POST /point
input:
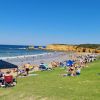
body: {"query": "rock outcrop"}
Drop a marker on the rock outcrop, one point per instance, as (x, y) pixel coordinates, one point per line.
(62, 47)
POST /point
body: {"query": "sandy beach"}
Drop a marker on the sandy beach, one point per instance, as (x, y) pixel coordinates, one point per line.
(37, 59)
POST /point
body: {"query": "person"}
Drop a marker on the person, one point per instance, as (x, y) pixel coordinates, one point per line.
(1, 78)
(78, 71)
(72, 71)
(1, 74)
(8, 79)
(61, 64)
(54, 64)
(27, 68)
(22, 72)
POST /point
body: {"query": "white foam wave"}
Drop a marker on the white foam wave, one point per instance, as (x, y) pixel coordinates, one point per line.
(18, 48)
(24, 56)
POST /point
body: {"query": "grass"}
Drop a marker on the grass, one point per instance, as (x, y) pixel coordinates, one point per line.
(50, 85)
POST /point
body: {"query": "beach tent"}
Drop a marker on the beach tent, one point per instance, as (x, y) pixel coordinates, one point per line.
(42, 66)
(69, 63)
(7, 65)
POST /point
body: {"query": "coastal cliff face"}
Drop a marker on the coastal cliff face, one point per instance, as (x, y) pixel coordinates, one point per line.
(61, 47)
(58, 47)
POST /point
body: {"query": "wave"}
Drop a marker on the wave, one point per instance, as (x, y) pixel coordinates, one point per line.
(18, 48)
(24, 56)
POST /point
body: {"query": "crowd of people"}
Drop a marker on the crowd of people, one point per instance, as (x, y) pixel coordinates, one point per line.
(73, 68)
(75, 65)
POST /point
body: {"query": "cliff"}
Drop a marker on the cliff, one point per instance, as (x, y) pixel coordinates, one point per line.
(63, 47)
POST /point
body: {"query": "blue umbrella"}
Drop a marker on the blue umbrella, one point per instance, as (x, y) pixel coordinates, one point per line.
(69, 63)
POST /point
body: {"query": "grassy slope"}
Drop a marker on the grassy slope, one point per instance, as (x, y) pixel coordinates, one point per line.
(51, 86)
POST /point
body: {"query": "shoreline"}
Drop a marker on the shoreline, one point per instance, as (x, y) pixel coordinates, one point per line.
(22, 56)
(41, 58)
(37, 58)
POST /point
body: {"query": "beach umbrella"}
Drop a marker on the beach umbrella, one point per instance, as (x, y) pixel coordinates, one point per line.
(69, 63)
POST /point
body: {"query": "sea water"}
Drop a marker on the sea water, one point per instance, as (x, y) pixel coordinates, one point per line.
(17, 50)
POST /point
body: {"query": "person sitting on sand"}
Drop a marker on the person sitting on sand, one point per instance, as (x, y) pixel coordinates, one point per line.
(54, 64)
(50, 66)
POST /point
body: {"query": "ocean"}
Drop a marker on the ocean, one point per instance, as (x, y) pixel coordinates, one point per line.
(19, 55)
(18, 50)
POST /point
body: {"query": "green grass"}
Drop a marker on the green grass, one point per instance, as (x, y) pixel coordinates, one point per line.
(50, 85)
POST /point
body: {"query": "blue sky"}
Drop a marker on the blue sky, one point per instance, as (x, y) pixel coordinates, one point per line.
(42, 22)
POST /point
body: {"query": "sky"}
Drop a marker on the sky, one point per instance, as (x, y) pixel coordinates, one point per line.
(42, 22)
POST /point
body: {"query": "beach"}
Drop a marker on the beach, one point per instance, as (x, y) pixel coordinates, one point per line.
(39, 58)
